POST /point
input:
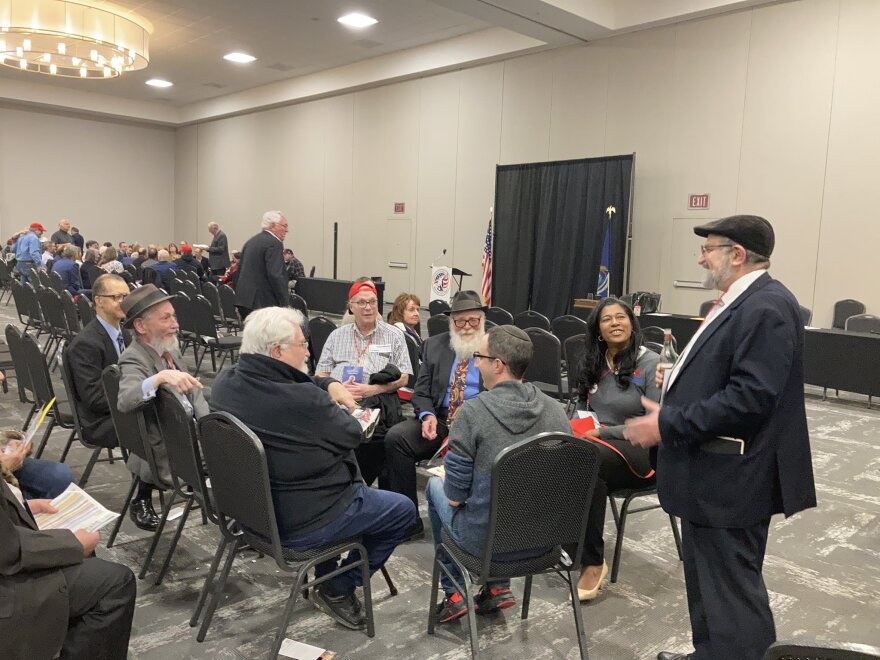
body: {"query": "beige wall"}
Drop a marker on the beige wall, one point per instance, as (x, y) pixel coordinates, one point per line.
(114, 181)
(770, 111)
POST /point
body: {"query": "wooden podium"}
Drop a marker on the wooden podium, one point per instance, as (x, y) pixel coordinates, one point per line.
(583, 307)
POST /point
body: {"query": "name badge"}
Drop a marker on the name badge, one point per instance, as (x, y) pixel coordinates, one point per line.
(384, 349)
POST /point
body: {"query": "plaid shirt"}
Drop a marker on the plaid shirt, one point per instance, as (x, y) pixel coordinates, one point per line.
(346, 346)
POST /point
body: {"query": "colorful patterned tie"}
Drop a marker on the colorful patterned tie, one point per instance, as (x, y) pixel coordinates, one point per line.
(456, 392)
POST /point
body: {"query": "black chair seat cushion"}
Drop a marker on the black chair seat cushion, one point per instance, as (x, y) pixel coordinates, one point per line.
(227, 342)
(259, 544)
(503, 569)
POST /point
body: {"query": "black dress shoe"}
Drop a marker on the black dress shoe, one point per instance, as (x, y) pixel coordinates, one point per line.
(669, 655)
(346, 609)
(143, 515)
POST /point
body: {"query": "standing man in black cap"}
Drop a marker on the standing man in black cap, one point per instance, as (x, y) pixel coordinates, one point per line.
(732, 441)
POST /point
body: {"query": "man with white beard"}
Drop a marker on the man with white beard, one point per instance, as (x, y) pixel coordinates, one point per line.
(309, 439)
(447, 378)
(149, 362)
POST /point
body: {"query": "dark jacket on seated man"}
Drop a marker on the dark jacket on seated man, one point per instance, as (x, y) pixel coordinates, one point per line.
(309, 440)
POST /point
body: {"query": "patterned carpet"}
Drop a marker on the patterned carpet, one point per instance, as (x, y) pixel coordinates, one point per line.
(822, 570)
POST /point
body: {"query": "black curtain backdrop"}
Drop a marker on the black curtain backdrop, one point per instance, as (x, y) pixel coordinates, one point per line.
(550, 223)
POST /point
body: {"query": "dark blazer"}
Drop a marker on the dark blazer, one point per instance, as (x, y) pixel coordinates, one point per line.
(433, 381)
(218, 252)
(744, 378)
(89, 272)
(90, 352)
(34, 608)
(69, 272)
(262, 280)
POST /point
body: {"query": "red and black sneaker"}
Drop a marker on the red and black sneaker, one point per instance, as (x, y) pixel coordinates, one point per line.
(494, 599)
(453, 607)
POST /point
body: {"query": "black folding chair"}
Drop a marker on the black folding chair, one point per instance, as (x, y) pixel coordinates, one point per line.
(44, 393)
(545, 367)
(236, 461)
(574, 350)
(567, 326)
(22, 307)
(499, 316)
(190, 289)
(230, 313)
(320, 328)
(298, 302)
(436, 307)
(531, 319)
(53, 314)
(202, 317)
(186, 332)
(56, 283)
(6, 281)
(843, 309)
(414, 358)
(71, 314)
(529, 519)
(22, 373)
(212, 295)
(438, 324)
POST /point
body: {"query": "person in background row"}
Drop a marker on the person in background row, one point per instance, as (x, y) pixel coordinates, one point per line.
(188, 262)
(109, 262)
(67, 269)
(164, 270)
(48, 255)
(293, 266)
(218, 250)
(202, 260)
(616, 373)
(405, 315)
(262, 280)
(77, 239)
(173, 252)
(231, 275)
(27, 250)
(89, 271)
(63, 234)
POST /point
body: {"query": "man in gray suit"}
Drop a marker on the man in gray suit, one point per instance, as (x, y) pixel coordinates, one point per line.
(151, 361)
(218, 250)
(262, 280)
(55, 596)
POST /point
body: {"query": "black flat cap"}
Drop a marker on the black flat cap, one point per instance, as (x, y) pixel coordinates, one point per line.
(751, 231)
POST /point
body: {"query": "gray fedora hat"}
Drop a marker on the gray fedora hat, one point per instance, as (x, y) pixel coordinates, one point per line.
(465, 301)
(140, 300)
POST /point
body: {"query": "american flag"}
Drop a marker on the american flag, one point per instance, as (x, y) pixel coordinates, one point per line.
(486, 287)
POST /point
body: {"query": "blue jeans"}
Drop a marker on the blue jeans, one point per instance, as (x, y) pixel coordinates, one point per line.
(380, 518)
(440, 511)
(24, 269)
(41, 479)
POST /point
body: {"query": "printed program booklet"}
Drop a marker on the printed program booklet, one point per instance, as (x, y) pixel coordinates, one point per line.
(368, 418)
(76, 510)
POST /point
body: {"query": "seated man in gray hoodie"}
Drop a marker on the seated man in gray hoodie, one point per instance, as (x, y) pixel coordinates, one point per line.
(509, 411)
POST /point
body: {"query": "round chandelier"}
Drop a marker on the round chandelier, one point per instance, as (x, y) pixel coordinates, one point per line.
(73, 38)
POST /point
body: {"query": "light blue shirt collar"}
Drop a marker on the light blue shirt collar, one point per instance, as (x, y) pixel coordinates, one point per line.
(113, 332)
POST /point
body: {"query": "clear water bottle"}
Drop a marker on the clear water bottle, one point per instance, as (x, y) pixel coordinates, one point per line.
(668, 355)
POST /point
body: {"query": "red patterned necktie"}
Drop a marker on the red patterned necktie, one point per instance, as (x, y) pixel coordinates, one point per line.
(456, 392)
(169, 361)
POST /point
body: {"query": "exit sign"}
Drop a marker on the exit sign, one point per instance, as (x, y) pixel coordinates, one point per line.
(399, 207)
(698, 201)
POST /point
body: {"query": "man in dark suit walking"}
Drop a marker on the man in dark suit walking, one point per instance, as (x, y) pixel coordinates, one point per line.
(447, 378)
(262, 280)
(218, 250)
(732, 440)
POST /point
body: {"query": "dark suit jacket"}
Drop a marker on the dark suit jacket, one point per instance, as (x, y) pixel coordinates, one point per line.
(34, 606)
(433, 381)
(218, 252)
(743, 378)
(90, 352)
(262, 280)
(89, 272)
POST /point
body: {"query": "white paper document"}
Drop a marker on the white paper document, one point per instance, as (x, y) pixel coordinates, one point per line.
(76, 510)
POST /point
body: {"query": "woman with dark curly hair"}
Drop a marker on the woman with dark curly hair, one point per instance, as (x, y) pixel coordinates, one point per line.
(616, 373)
(405, 315)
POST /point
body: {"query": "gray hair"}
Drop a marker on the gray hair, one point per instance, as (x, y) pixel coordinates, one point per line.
(163, 255)
(513, 346)
(268, 327)
(755, 258)
(271, 218)
(70, 251)
(91, 255)
(213, 225)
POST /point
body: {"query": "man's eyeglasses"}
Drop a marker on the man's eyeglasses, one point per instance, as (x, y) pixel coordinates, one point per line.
(488, 357)
(115, 297)
(301, 344)
(365, 303)
(704, 249)
(474, 322)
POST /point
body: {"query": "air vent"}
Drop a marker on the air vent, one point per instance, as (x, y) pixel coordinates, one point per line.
(278, 66)
(367, 43)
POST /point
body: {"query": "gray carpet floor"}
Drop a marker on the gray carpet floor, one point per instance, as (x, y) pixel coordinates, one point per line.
(822, 570)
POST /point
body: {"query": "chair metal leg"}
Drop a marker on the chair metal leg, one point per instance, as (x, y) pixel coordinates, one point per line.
(285, 618)
(156, 536)
(173, 546)
(45, 438)
(68, 446)
(84, 479)
(527, 597)
(218, 590)
(432, 604)
(30, 415)
(209, 578)
(368, 590)
(614, 511)
(110, 458)
(618, 546)
(391, 588)
(134, 484)
(213, 360)
(677, 536)
(471, 616)
(578, 621)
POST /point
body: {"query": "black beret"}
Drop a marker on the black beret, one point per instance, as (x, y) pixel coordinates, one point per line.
(751, 231)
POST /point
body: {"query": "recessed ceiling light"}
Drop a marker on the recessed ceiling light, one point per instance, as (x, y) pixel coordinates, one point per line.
(158, 82)
(357, 20)
(240, 58)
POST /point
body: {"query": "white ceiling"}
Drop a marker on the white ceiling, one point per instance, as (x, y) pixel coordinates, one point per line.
(303, 52)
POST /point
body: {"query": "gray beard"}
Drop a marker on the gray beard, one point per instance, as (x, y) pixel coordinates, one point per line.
(164, 345)
(464, 349)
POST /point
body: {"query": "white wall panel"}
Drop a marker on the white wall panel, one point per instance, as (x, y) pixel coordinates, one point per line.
(525, 114)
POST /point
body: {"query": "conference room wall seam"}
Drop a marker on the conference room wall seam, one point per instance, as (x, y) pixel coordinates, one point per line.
(745, 101)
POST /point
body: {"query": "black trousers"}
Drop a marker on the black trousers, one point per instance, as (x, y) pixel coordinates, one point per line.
(614, 474)
(728, 604)
(102, 596)
(404, 447)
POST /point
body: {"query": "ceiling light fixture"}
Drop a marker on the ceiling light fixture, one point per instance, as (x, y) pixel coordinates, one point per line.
(357, 20)
(73, 38)
(158, 82)
(239, 58)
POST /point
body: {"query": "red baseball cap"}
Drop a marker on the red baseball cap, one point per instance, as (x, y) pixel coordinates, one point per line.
(185, 248)
(37, 225)
(357, 287)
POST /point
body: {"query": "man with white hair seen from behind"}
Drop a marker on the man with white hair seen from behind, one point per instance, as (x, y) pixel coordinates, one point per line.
(309, 438)
(262, 280)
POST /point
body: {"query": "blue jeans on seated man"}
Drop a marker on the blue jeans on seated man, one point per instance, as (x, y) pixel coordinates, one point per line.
(41, 479)
(441, 512)
(379, 517)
